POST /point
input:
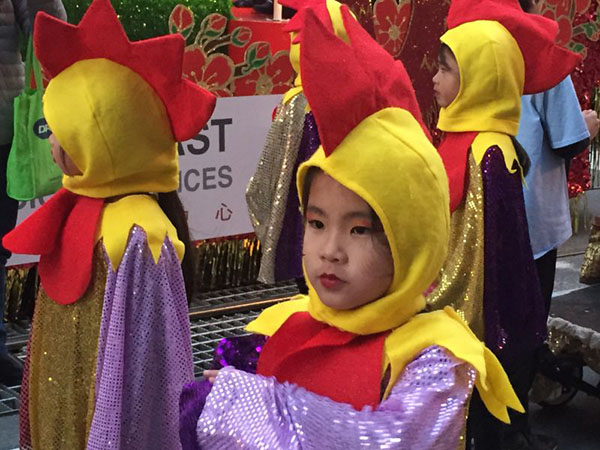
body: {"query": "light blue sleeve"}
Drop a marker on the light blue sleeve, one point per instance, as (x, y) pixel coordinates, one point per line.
(561, 115)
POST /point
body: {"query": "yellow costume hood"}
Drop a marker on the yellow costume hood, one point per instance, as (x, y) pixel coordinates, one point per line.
(118, 109)
(492, 73)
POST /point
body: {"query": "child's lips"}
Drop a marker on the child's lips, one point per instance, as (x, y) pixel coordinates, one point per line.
(330, 281)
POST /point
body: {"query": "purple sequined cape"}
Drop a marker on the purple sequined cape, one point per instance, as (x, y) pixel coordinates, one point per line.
(144, 351)
(425, 410)
(513, 306)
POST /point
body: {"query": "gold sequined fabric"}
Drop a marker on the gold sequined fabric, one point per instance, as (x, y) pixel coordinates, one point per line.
(62, 362)
(590, 269)
(268, 188)
(460, 283)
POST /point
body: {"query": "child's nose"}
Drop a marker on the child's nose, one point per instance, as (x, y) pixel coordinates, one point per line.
(333, 249)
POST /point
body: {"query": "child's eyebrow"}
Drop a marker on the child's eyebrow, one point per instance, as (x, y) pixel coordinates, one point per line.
(315, 209)
(358, 215)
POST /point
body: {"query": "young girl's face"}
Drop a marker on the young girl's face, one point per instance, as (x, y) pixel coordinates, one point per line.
(446, 82)
(346, 256)
(61, 159)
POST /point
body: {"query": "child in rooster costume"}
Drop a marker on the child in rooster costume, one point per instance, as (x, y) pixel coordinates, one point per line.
(492, 53)
(110, 347)
(357, 361)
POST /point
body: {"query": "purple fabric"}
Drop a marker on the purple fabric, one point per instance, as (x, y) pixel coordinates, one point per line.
(241, 352)
(191, 405)
(425, 410)
(144, 351)
(513, 305)
(288, 259)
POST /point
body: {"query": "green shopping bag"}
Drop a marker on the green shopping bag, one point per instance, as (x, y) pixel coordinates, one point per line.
(30, 171)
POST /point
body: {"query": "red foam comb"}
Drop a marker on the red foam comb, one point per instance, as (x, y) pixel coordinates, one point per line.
(317, 7)
(158, 61)
(345, 84)
(546, 64)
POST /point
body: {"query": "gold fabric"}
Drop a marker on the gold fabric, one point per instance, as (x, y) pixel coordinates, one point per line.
(268, 188)
(460, 283)
(62, 360)
(590, 269)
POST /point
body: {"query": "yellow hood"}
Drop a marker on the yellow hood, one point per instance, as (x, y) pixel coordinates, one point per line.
(412, 202)
(492, 75)
(114, 127)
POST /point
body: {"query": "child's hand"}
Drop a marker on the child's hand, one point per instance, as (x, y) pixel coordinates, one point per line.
(592, 122)
(210, 375)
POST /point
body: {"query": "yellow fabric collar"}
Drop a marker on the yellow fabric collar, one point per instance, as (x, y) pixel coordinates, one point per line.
(443, 328)
(483, 141)
(119, 217)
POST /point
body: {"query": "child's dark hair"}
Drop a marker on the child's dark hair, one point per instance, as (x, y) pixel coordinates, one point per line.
(443, 53)
(308, 180)
(171, 205)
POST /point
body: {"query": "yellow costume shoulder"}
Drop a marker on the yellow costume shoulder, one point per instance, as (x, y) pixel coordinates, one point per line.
(487, 139)
(442, 328)
(142, 210)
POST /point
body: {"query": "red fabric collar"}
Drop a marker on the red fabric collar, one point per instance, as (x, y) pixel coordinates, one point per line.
(63, 233)
(325, 360)
(453, 151)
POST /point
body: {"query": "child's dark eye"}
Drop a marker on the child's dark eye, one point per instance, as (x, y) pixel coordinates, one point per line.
(316, 224)
(360, 230)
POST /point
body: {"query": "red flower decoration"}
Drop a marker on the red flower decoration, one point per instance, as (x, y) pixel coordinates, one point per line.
(561, 7)
(568, 8)
(275, 77)
(181, 21)
(213, 73)
(241, 36)
(392, 21)
(214, 25)
(565, 31)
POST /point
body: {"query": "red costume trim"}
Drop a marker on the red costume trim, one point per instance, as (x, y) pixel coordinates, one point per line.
(344, 360)
(454, 150)
(63, 233)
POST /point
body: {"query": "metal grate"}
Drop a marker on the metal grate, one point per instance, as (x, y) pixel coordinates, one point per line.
(206, 334)
(9, 400)
(213, 316)
(241, 298)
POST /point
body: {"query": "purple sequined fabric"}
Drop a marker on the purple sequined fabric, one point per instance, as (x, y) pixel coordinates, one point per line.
(425, 410)
(241, 352)
(513, 306)
(144, 351)
(288, 259)
(191, 404)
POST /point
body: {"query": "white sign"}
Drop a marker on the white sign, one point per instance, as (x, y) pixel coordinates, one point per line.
(215, 168)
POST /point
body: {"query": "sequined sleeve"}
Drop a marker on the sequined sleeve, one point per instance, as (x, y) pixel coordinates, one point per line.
(241, 352)
(425, 410)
